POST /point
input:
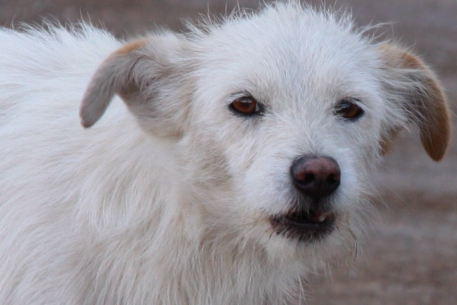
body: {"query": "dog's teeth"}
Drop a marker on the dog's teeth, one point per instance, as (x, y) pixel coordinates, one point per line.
(321, 218)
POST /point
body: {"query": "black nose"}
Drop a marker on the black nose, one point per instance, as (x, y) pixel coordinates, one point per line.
(316, 177)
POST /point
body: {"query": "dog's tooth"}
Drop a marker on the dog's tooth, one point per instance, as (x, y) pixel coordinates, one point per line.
(322, 218)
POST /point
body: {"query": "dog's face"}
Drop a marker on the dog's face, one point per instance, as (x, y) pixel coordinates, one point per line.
(294, 121)
(278, 120)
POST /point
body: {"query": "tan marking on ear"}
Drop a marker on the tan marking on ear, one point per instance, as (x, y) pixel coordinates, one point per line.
(436, 128)
(132, 46)
(410, 61)
(427, 104)
(108, 80)
(399, 58)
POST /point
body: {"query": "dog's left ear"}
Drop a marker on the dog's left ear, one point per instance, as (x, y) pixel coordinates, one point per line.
(148, 75)
(410, 82)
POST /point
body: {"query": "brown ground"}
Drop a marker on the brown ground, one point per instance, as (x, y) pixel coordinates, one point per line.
(411, 255)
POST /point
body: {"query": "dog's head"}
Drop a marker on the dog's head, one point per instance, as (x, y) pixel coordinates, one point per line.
(277, 120)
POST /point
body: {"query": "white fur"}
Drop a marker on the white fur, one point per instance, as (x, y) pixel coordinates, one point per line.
(167, 201)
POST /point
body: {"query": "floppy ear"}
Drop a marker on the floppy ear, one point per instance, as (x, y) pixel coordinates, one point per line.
(144, 74)
(411, 83)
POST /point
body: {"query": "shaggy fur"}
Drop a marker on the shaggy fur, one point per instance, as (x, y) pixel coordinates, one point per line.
(167, 198)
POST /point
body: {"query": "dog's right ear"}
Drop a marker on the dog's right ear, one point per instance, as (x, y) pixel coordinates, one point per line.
(139, 72)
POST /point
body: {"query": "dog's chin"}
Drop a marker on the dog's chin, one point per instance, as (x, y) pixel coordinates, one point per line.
(305, 226)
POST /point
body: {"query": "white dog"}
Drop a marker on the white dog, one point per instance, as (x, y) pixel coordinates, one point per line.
(240, 163)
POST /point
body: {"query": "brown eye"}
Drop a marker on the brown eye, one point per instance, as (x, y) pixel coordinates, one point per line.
(245, 106)
(349, 110)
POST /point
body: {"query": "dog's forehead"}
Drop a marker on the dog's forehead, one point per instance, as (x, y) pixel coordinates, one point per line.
(290, 51)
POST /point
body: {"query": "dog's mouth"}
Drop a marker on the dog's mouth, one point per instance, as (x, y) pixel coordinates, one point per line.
(304, 225)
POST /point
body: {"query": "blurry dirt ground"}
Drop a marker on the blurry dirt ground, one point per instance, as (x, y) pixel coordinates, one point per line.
(411, 254)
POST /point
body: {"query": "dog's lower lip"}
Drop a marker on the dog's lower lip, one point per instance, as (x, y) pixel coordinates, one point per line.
(304, 225)
(312, 217)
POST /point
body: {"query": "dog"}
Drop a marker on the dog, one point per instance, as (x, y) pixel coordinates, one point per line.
(218, 166)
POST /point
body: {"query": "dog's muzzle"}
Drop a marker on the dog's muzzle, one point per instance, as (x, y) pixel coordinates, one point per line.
(315, 178)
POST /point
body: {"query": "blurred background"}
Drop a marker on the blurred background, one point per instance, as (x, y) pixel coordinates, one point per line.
(410, 256)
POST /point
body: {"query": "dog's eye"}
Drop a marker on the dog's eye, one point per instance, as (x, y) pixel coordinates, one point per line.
(348, 109)
(246, 105)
